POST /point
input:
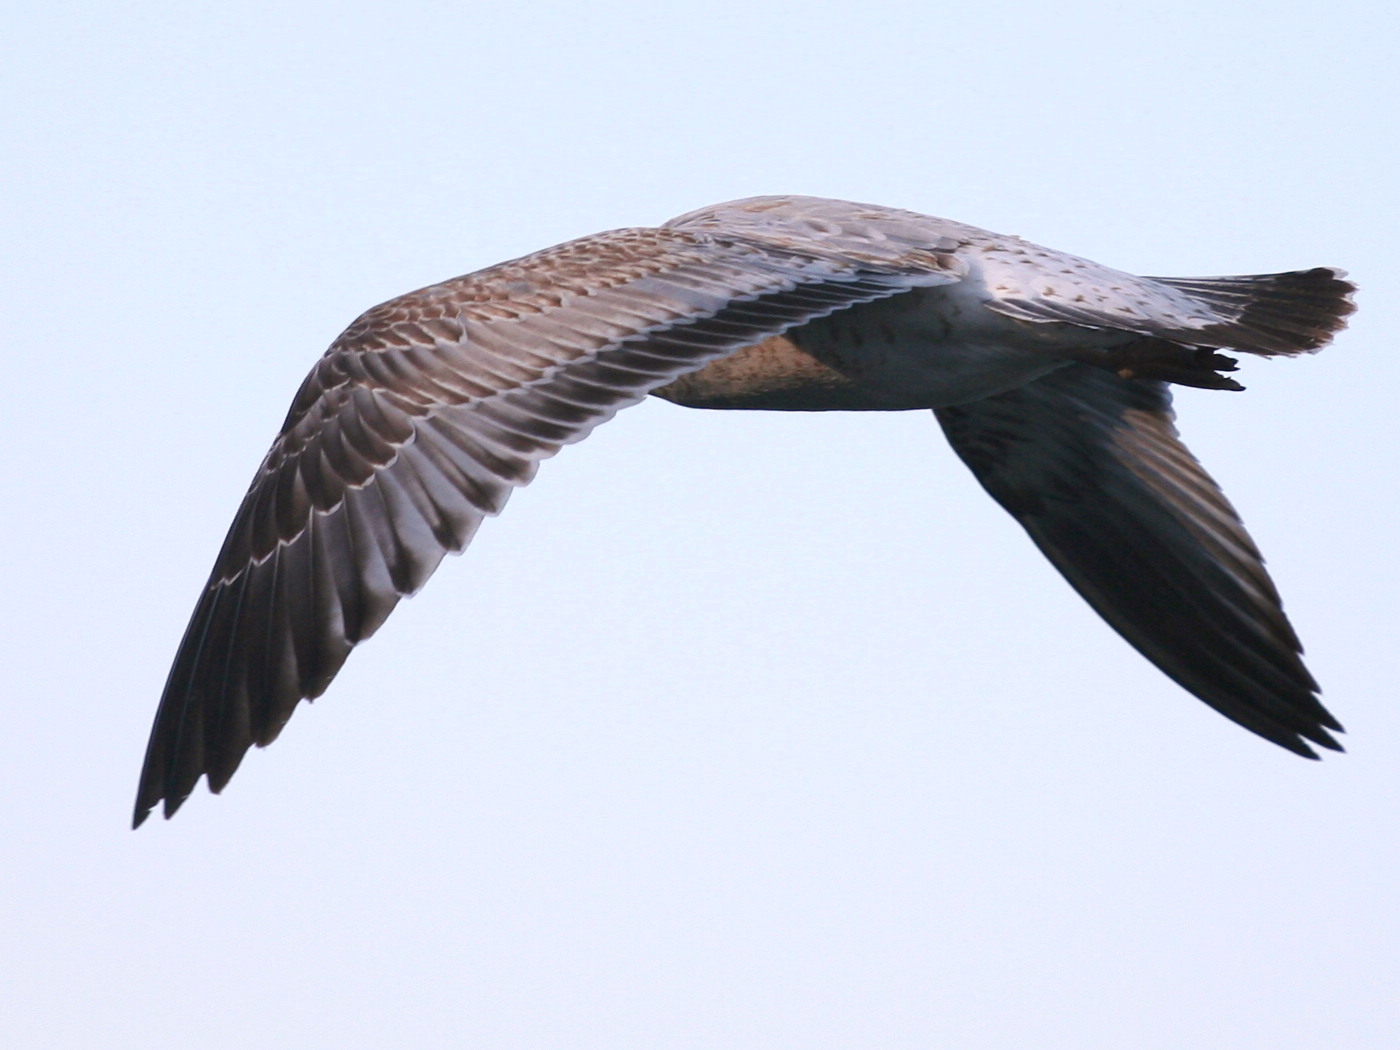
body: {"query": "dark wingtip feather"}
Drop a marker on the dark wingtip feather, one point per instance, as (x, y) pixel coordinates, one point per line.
(1314, 734)
(1092, 468)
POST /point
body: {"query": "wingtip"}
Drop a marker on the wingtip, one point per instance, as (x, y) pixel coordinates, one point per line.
(1330, 743)
(146, 804)
(143, 811)
(1317, 735)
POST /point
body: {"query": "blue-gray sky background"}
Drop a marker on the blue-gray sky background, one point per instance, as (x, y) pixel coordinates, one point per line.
(736, 730)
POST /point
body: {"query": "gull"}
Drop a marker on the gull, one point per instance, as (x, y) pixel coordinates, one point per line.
(1049, 375)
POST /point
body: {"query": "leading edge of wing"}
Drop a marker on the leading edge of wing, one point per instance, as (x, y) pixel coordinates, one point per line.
(418, 422)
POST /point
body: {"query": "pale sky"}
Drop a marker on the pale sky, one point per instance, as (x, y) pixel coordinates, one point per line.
(735, 731)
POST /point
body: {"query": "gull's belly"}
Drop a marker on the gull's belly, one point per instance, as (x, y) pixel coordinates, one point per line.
(927, 349)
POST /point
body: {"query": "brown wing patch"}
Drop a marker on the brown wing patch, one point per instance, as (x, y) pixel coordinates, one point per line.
(416, 425)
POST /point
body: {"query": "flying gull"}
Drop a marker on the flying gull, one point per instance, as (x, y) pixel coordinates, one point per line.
(1049, 374)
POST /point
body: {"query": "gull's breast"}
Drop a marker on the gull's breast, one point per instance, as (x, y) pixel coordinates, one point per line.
(929, 348)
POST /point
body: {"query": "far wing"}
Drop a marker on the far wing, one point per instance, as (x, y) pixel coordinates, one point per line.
(1090, 464)
(419, 421)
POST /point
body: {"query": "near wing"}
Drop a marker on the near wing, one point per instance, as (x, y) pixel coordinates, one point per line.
(1090, 464)
(419, 421)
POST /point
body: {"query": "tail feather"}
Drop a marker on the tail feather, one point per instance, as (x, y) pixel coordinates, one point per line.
(1279, 313)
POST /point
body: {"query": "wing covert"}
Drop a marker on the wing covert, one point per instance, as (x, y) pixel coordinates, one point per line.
(419, 421)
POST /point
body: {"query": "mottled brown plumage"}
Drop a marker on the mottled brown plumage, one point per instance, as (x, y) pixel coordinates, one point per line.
(1047, 373)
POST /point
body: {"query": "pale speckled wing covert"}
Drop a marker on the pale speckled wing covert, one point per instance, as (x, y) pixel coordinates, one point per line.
(1267, 314)
(421, 418)
(1089, 463)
